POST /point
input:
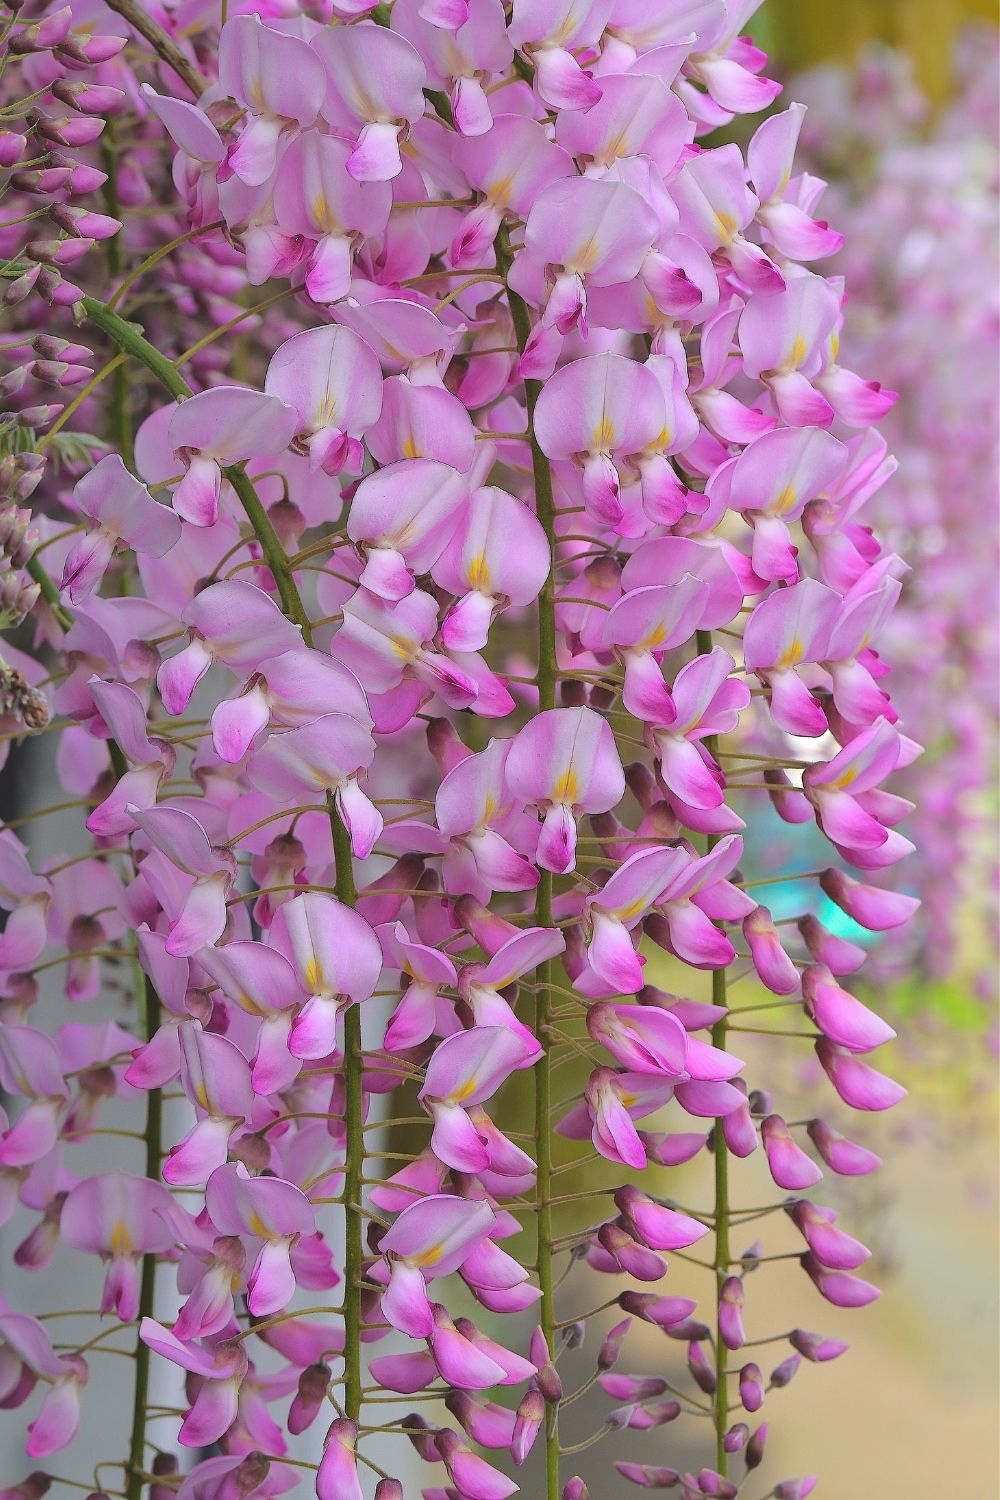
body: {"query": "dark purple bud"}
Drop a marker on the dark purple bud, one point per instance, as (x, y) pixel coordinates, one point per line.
(574, 1335)
(389, 1489)
(760, 1102)
(647, 1477)
(422, 1436)
(795, 1489)
(783, 1374)
(754, 1455)
(690, 1329)
(701, 1371)
(609, 1351)
(314, 1382)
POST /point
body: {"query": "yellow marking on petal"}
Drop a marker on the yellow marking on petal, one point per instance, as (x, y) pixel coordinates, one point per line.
(792, 655)
(664, 439)
(121, 1240)
(798, 352)
(499, 191)
(785, 501)
(726, 226)
(585, 257)
(320, 210)
(478, 574)
(490, 809)
(626, 913)
(655, 638)
(466, 1091)
(314, 976)
(566, 788)
(627, 1099)
(258, 1227)
(834, 345)
(201, 1096)
(431, 1256)
(604, 434)
(846, 777)
(410, 447)
(402, 646)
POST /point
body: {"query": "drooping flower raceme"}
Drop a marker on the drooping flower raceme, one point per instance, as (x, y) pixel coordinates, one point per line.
(426, 635)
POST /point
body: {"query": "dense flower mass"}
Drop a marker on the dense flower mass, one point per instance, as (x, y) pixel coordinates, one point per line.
(927, 200)
(425, 633)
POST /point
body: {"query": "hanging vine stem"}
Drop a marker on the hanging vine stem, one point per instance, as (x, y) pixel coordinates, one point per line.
(720, 1153)
(130, 340)
(545, 511)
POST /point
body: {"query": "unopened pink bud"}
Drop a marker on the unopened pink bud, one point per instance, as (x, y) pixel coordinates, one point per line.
(842, 1156)
(87, 51)
(12, 147)
(751, 1387)
(736, 1438)
(575, 1489)
(89, 98)
(314, 1382)
(71, 130)
(81, 222)
(815, 1347)
(731, 1328)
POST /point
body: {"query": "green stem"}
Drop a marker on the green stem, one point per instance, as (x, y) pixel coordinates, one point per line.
(120, 415)
(147, 1285)
(129, 338)
(721, 1257)
(547, 671)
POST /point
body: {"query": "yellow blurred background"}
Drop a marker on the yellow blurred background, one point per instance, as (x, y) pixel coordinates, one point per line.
(801, 33)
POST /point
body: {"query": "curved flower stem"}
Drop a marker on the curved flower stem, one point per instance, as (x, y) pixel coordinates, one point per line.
(129, 338)
(721, 1258)
(547, 670)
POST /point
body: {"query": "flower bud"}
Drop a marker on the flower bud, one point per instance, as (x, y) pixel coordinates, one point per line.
(575, 1489)
(754, 1455)
(701, 1371)
(314, 1382)
(736, 1438)
(731, 1329)
(529, 1418)
(389, 1489)
(841, 1155)
(783, 1374)
(12, 147)
(611, 1348)
(751, 1387)
(88, 98)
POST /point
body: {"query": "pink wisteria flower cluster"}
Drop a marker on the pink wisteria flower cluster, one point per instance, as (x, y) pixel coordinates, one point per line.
(928, 197)
(429, 636)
